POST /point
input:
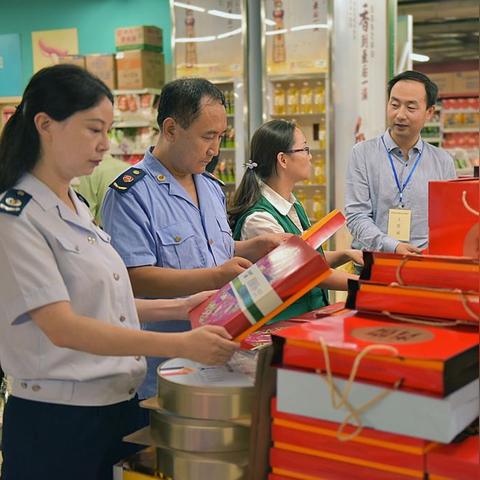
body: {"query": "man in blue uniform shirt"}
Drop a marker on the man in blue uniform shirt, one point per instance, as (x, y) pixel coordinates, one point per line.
(167, 216)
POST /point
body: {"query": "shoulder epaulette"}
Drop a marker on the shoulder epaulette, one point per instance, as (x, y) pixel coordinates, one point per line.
(82, 199)
(128, 178)
(211, 176)
(14, 201)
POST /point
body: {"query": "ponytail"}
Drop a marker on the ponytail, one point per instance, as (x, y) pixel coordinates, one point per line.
(246, 196)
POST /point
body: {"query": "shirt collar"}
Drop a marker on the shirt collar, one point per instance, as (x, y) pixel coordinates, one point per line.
(156, 168)
(39, 191)
(391, 145)
(283, 206)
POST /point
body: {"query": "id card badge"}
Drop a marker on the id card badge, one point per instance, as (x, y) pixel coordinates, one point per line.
(399, 223)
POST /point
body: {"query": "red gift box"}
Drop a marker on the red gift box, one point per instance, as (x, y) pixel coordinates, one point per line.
(422, 270)
(453, 217)
(321, 231)
(263, 290)
(383, 449)
(444, 306)
(433, 359)
(455, 461)
(300, 463)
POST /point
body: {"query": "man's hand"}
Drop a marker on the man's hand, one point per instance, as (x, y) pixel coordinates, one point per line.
(210, 344)
(189, 303)
(229, 270)
(356, 256)
(407, 248)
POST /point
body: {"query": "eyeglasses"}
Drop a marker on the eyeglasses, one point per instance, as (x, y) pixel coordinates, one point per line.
(296, 150)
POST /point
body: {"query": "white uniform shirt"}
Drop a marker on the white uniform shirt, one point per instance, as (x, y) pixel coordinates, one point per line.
(50, 254)
(259, 223)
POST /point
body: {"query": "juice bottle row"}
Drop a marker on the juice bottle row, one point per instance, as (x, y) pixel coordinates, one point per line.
(314, 202)
(228, 140)
(229, 100)
(225, 170)
(299, 97)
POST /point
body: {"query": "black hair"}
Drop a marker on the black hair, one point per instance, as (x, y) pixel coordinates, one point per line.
(181, 100)
(59, 91)
(431, 89)
(267, 142)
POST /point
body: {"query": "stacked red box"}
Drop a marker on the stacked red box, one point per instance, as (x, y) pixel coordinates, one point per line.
(453, 217)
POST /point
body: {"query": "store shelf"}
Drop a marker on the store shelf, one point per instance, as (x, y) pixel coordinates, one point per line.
(300, 76)
(118, 151)
(461, 130)
(465, 171)
(311, 185)
(297, 115)
(134, 124)
(432, 124)
(432, 139)
(140, 91)
(227, 149)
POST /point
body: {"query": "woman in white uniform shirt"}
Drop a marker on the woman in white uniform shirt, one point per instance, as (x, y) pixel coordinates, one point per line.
(69, 329)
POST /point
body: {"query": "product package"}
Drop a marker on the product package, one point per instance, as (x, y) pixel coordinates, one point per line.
(263, 290)
(453, 217)
(431, 271)
(425, 358)
(448, 307)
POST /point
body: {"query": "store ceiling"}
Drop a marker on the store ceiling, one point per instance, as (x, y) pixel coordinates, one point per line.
(445, 30)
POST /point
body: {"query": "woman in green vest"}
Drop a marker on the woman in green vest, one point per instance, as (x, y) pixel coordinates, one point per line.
(264, 203)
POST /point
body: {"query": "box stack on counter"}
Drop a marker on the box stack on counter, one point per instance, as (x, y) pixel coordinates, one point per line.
(373, 392)
(200, 422)
(140, 60)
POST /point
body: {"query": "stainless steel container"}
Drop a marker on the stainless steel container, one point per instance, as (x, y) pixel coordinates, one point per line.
(180, 465)
(190, 389)
(196, 435)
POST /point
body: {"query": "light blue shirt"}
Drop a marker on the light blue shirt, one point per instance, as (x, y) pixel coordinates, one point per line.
(371, 190)
(155, 222)
(48, 254)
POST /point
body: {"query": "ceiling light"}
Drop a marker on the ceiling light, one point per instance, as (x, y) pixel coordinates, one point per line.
(229, 34)
(417, 57)
(195, 39)
(188, 6)
(311, 26)
(220, 13)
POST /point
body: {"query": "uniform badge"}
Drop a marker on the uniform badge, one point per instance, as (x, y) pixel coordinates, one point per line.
(14, 201)
(128, 178)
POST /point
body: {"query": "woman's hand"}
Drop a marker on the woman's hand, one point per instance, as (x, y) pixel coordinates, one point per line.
(210, 344)
(189, 303)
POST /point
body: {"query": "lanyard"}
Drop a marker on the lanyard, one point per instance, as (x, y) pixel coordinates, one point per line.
(405, 183)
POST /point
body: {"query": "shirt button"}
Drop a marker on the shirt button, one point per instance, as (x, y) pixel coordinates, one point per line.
(211, 242)
(91, 240)
(122, 318)
(131, 391)
(138, 358)
(177, 238)
(116, 276)
(36, 388)
(23, 385)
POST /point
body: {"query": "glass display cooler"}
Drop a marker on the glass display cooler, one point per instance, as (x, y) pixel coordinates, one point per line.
(297, 86)
(208, 40)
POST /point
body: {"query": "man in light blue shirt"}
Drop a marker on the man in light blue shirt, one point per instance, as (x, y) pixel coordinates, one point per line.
(387, 176)
(167, 216)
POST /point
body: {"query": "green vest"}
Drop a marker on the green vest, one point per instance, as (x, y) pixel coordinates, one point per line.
(317, 297)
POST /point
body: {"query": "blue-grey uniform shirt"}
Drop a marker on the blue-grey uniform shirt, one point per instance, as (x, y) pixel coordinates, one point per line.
(155, 222)
(371, 190)
(50, 254)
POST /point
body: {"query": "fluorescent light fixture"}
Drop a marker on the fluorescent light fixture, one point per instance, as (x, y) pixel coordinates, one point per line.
(269, 22)
(417, 57)
(311, 26)
(188, 6)
(229, 34)
(276, 32)
(195, 39)
(220, 13)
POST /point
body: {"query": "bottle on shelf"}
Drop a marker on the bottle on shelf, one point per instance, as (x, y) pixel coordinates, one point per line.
(318, 205)
(319, 97)
(319, 170)
(279, 107)
(292, 99)
(306, 105)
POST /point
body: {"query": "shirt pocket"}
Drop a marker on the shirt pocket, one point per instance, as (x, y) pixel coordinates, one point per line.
(226, 234)
(179, 247)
